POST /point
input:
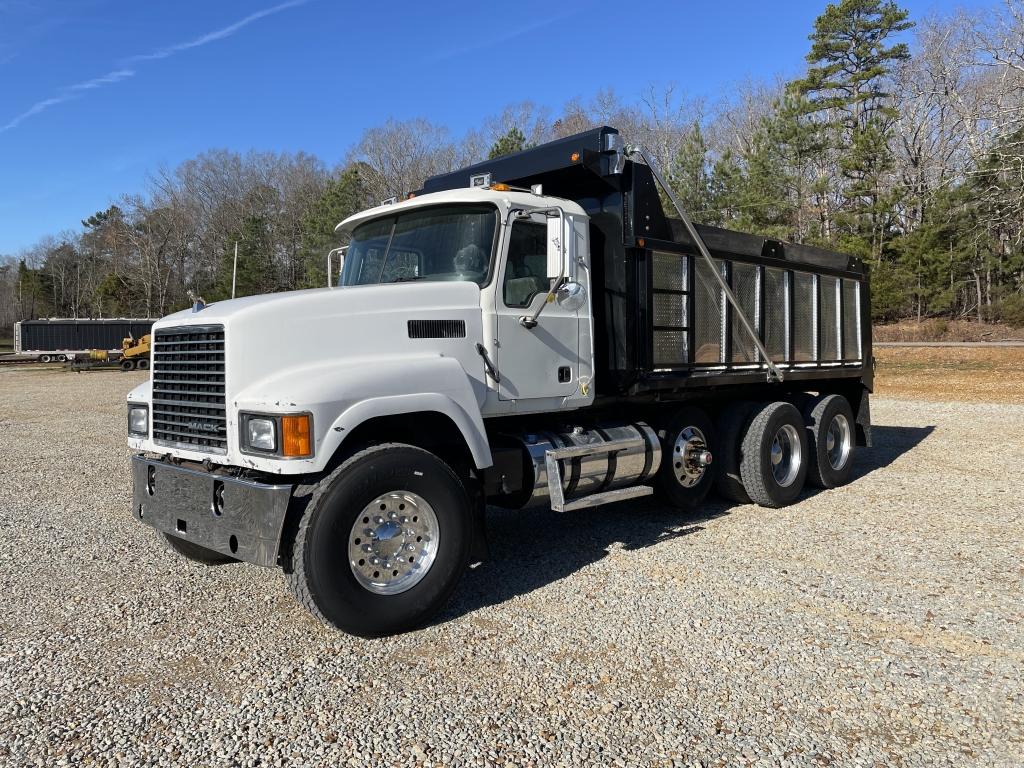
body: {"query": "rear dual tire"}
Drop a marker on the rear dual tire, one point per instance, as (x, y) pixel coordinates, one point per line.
(830, 432)
(769, 451)
(773, 455)
(731, 426)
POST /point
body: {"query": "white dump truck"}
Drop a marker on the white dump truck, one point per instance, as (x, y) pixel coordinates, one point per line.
(533, 330)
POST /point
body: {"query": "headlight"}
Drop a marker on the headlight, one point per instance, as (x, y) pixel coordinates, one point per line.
(286, 435)
(261, 434)
(138, 420)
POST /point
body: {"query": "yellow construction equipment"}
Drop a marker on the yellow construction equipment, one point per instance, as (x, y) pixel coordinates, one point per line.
(135, 354)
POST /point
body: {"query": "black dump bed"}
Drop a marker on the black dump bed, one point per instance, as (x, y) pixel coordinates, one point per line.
(662, 321)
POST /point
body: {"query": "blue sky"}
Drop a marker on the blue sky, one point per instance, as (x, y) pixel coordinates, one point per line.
(96, 94)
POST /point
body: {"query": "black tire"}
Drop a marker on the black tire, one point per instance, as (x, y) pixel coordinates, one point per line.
(756, 467)
(730, 427)
(45, 358)
(127, 365)
(819, 415)
(143, 364)
(671, 484)
(195, 553)
(320, 574)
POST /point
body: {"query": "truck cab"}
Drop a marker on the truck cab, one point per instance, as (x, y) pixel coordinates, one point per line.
(477, 346)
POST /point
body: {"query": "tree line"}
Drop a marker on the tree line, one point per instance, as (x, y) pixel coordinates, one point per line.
(902, 143)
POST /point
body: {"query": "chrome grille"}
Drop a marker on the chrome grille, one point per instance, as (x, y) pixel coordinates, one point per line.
(188, 388)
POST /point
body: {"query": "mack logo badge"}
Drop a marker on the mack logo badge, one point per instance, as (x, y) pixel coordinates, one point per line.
(204, 426)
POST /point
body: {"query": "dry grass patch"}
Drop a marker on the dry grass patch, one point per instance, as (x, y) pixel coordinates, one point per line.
(969, 374)
(941, 329)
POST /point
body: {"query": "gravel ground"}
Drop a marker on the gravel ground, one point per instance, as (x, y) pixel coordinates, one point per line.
(878, 624)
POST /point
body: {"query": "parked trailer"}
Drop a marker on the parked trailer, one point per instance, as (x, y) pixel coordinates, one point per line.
(532, 330)
(60, 338)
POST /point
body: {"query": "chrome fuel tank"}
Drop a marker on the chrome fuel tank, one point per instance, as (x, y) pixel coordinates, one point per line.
(592, 474)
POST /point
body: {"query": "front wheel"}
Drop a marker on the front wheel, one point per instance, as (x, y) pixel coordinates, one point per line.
(383, 541)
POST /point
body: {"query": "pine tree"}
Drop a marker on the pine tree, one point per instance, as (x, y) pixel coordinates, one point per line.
(689, 175)
(255, 273)
(846, 89)
(344, 196)
(512, 141)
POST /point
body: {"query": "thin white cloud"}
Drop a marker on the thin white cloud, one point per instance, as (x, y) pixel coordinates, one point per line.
(219, 34)
(67, 94)
(77, 90)
(493, 43)
(107, 79)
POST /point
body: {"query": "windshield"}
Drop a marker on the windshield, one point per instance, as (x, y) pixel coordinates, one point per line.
(440, 243)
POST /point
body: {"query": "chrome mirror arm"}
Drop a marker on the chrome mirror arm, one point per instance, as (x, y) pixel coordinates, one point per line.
(341, 263)
(530, 321)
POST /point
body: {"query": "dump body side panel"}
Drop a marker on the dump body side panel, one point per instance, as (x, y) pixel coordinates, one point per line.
(656, 338)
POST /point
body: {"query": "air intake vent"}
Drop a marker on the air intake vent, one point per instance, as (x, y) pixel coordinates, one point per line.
(188, 388)
(437, 329)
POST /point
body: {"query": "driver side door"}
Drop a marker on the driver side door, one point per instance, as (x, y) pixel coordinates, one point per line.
(539, 362)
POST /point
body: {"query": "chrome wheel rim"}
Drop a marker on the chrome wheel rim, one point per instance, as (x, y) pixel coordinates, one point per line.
(690, 444)
(786, 455)
(839, 441)
(393, 543)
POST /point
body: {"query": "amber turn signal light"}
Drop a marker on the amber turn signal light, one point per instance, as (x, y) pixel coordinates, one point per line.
(296, 440)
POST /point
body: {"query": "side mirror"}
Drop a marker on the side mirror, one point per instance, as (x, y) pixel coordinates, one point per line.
(571, 296)
(341, 263)
(556, 248)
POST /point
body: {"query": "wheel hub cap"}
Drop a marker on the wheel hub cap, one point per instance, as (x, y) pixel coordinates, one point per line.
(690, 457)
(839, 441)
(786, 455)
(393, 542)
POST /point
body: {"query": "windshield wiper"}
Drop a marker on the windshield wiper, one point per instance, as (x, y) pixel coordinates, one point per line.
(406, 279)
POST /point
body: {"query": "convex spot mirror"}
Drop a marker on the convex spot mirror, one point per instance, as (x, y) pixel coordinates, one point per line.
(571, 296)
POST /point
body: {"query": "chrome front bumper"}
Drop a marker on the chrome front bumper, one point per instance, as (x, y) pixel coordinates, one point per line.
(239, 518)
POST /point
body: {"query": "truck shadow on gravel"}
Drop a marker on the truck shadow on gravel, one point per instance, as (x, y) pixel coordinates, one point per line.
(888, 444)
(530, 549)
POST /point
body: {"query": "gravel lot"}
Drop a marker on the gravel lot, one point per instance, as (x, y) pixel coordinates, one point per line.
(878, 624)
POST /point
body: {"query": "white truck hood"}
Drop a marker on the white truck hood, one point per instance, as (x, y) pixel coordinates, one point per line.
(311, 351)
